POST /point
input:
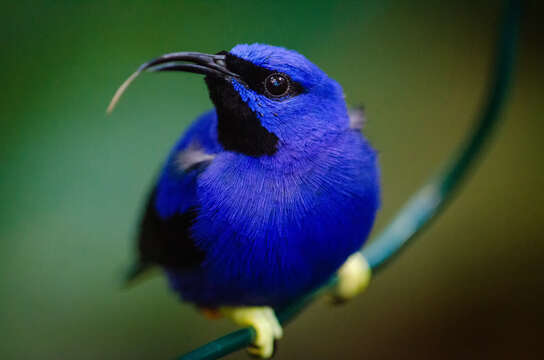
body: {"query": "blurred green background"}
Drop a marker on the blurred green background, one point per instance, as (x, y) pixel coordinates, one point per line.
(72, 180)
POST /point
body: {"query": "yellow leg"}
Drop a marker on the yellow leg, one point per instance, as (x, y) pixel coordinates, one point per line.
(263, 320)
(353, 278)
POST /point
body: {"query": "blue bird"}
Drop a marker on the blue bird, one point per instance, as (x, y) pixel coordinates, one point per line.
(264, 197)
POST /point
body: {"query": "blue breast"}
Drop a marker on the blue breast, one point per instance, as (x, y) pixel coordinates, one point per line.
(274, 227)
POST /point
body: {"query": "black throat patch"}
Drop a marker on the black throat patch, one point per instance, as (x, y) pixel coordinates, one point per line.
(238, 128)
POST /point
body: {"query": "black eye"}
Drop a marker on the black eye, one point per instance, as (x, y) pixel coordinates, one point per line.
(277, 85)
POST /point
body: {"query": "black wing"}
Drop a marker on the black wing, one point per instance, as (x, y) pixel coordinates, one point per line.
(167, 241)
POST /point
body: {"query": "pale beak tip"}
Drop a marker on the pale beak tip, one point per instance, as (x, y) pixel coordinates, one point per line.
(120, 91)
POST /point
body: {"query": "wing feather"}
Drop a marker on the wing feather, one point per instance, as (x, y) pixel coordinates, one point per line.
(164, 235)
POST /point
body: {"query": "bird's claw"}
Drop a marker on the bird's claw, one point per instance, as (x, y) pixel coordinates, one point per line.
(353, 278)
(266, 325)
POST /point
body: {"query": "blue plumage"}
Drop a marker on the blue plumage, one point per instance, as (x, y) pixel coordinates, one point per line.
(279, 188)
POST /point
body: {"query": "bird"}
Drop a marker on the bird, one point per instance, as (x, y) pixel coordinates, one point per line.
(265, 196)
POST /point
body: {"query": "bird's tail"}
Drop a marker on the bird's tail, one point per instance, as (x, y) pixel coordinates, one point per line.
(138, 271)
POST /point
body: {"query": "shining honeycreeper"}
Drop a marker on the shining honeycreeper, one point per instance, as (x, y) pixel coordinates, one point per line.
(265, 196)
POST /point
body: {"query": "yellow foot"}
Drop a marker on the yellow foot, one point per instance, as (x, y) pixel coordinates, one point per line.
(353, 278)
(264, 321)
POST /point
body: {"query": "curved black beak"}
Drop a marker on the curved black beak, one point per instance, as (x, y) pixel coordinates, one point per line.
(194, 62)
(200, 63)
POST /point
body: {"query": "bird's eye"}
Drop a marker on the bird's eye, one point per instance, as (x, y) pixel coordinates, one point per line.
(277, 85)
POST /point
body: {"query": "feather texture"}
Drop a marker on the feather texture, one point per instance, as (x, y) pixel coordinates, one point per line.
(272, 226)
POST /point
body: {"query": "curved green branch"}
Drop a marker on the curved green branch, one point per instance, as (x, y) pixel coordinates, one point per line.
(425, 205)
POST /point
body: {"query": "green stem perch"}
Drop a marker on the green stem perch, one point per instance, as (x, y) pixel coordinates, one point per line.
(425, 205)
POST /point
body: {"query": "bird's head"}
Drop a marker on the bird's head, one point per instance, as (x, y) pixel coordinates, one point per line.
(266, 97)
